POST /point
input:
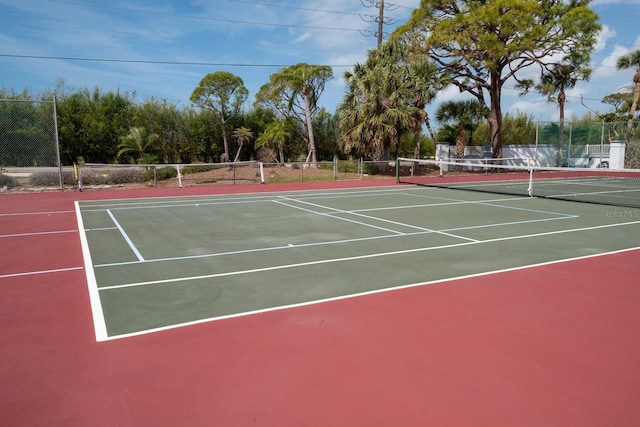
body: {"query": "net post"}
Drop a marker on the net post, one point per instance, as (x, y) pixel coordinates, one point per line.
(398, 170)
(530, 187)
(441, 167)
(179, 176)
(81, 164)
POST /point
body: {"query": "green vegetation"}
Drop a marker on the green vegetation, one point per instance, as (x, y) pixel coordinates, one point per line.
(476, 46)
(480, 46)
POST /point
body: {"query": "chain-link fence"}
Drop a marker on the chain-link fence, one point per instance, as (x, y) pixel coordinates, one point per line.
(29, 144)
(29, 155)
(632, 155)
(576, 142)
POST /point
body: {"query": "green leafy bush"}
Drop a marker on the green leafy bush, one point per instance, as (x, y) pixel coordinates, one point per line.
(163, 173)
(348, 166)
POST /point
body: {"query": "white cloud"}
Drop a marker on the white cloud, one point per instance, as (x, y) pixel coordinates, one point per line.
(605, 34)
(302, 38)
(607, 69)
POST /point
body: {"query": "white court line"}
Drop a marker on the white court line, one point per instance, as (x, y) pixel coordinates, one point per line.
(361, 257)
(559, 216)
(335, 217)
(126, 237)
(99, 323)
(224, 199)
(31, 273)
(490, 202)
(330, 242)
(381, 220)
(35, 213)
(357, 295)
(38, 233)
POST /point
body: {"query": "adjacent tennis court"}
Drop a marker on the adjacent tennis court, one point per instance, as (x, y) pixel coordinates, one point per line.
(154, 264)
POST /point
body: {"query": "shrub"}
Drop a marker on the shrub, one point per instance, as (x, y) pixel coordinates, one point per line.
(7, 181)
(348, 166)
(50, 179)
(125, 176)
(163, 173)
(195, 169)
(378, 168)
(92, 177)
(325, 165)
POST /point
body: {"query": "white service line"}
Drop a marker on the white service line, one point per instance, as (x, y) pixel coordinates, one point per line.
(381, 220)
(361, 257)
(126, 237)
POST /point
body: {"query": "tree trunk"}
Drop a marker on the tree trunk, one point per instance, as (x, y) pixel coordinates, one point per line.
(312, 145)
(238, 153)
(460, 142)
(281, 151)
(634, 104)
(223, 122)
(427, 123)
(416, 143)
(561, 101)
(495, 117)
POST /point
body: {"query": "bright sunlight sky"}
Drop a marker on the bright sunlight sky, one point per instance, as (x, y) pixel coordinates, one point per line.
(162, 48)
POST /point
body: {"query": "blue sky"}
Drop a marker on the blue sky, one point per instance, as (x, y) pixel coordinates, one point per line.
(162, 48)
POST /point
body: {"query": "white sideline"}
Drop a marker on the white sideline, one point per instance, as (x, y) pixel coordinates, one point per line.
(99, 324)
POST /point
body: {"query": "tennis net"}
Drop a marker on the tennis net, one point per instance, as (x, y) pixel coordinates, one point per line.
(518, 176)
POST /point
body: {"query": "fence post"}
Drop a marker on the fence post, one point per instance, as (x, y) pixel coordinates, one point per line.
(616, 154)
(55, 135)
(442, 154)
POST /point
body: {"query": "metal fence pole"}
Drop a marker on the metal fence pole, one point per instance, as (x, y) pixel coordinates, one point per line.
(55, 134)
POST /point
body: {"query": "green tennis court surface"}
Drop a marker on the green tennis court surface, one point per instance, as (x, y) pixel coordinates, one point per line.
(160, 263)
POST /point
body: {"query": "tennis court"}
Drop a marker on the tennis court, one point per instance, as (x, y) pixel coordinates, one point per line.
(154, 264)
(317, 304)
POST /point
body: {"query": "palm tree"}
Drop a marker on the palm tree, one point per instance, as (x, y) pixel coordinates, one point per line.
(465, 114)
(275, 133)
(294, 92)
(558, 78)
(142, 147)
(632, 61)
(426, 86)
(241, 135)
(378, 106)
(555, 79)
